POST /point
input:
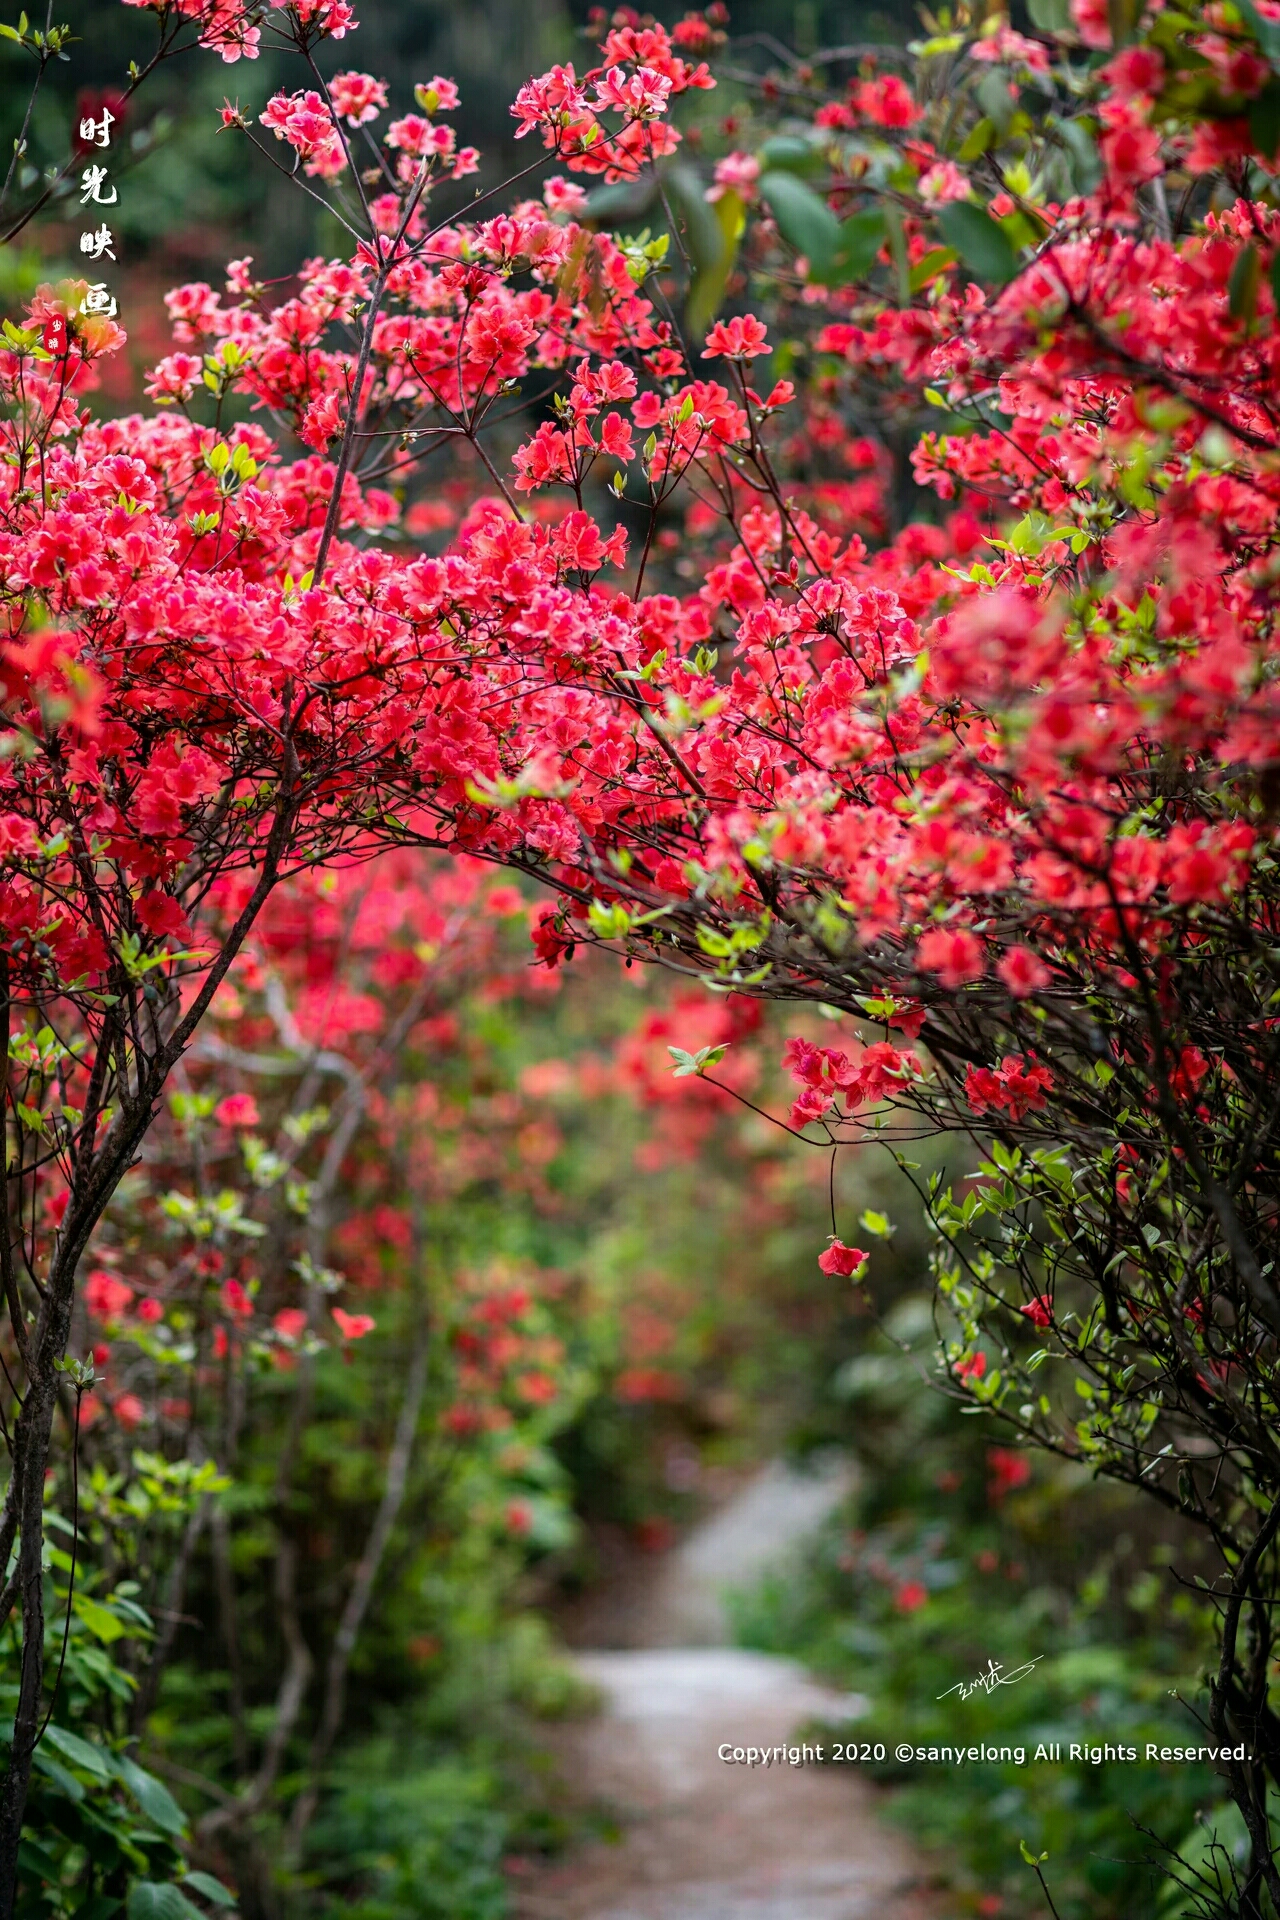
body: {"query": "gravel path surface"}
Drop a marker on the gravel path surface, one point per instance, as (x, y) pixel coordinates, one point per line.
(699, 1839)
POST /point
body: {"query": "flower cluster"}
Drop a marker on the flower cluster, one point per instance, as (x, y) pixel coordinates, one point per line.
(639, 74)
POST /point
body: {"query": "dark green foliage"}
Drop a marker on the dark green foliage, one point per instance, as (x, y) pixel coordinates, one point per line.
(406, 1837)
(103, 1836)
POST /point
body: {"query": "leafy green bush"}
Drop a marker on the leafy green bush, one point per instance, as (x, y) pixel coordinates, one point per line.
(102, 1836)
(412, 1836)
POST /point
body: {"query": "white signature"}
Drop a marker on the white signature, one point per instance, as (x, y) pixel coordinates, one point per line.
(995, 1676)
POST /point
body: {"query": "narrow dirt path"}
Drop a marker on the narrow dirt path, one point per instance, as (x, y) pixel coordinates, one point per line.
(700, 1839)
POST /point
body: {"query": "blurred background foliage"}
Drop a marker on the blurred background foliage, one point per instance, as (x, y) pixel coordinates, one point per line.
(191, 197)
(182, 196)
(670, 1252)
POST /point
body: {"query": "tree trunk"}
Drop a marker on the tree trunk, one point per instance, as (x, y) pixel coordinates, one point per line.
(30, 1454)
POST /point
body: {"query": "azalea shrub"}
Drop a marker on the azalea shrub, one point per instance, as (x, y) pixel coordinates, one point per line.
(993, 783)
(234, 1340)
(375, 1327)
(231, 1442)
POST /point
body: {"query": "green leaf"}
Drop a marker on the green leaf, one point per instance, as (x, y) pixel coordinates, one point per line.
(38, 1860)
(1082, 152)
(65, 1782)
(1123, 18)
(1242, 288)
(898, 251)
(100, 1906)
(981, 244)
(993, 97)
(877, 1224)
(861, 237)
(149, 1900)
(213, 1890)
(693, 1063)
(699, 231)
(981, 137)
(709, 279)
(80, 1753)
(152, 1796)
(1264, 120)
(1051, 16)
(627, 200)
(933, 262)
(791, 154)
(100, 1620)
(1032, 535)
(804, 220)
(1265, 32)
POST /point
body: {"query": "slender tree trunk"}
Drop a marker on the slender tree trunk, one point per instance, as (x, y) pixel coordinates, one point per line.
(30, 1452)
